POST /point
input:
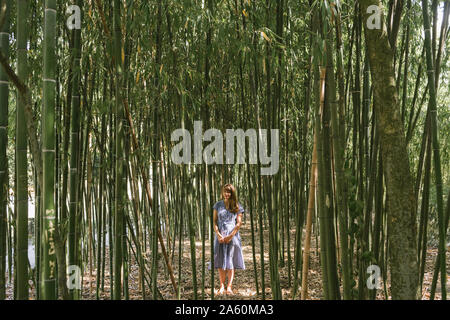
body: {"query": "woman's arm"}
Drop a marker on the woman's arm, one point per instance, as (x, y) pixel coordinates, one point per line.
(216, 228)
(236, 228)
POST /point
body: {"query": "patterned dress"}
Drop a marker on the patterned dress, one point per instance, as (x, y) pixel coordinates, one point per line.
(227, 255)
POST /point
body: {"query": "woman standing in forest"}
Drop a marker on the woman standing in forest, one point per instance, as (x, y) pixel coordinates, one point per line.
(227, 244)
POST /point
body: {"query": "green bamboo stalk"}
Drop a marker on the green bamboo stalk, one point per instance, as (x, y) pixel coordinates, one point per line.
(4, 97)
(328, 190)
(249, 174)
(156, 155)
(111, 205)
(187, 186)
(74, 155)
(319, 80)
(181, 240)
(21, 156)
(100, 206)
(48, 153)
(436, 269)
(424, 210)
(406, 66)
(201, 189)
(11, 254)
(37, 235)
(311, 201)
(137, 215)
(338, 149)
(125, 249)
(254, 90)
(252, 227)
(119, 137)
(436, 148)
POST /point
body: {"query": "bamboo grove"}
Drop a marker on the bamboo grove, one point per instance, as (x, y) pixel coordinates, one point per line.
(360, 100)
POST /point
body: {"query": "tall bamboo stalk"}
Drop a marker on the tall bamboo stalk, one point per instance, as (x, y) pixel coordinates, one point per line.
(21, 156)
(48, 153)
(73, 238)
(320, 75)
(436, 148)
(309, 215)
(119, 137)
(338, 152)
(4, 99)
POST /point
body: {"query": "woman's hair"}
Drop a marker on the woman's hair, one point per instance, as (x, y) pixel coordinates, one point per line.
(233, 204)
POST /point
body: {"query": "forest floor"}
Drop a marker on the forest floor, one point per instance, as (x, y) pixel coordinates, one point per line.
(244, 285)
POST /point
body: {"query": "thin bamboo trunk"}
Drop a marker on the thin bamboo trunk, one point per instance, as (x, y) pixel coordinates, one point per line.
(4, 102)
(74, 157)
(309, 215)
(119, 172)
(436, 147)
(339, 157)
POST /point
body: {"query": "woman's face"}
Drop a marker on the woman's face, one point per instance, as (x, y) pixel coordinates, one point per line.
(227, 194)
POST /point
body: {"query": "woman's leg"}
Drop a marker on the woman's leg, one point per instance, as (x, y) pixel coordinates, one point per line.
(222, 275)
(230, 280)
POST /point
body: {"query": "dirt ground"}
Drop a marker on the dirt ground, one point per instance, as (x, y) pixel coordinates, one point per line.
(244, 285)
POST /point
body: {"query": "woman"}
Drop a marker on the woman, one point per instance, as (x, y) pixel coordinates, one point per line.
(227, 244)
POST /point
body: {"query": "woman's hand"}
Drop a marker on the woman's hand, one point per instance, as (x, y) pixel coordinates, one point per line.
(228, 238)
(220, 238)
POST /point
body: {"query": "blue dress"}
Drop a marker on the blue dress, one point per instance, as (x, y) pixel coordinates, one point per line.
(227, 255)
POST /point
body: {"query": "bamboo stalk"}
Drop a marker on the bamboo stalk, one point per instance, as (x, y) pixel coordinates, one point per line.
(309, 215)
(22, 231)
(48, 154)
(436, 147)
